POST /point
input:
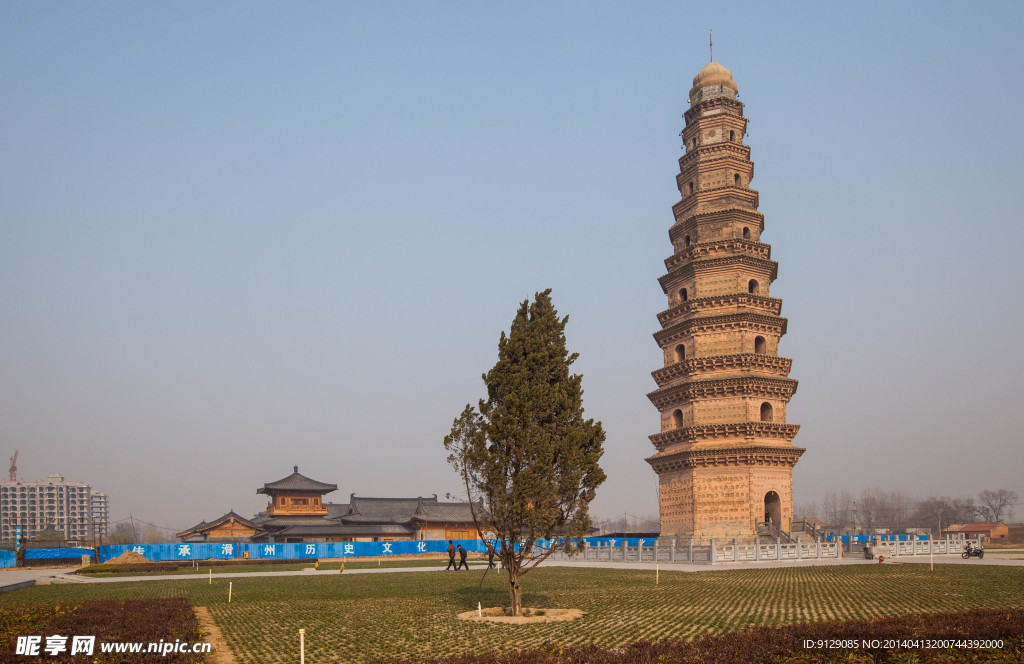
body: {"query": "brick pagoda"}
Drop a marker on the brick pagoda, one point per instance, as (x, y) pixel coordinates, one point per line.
(725, 454)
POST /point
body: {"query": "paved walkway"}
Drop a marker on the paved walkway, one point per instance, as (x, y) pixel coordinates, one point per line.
(70, 577)
(16, 575)
(989, 559)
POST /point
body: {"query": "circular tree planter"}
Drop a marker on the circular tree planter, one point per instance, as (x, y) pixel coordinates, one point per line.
(498, 614)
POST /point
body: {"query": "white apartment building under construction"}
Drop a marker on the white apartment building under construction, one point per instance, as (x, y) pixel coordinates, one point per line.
(71, 508)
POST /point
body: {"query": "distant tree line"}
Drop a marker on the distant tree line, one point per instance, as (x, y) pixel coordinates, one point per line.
(898, 510)
(143, 533)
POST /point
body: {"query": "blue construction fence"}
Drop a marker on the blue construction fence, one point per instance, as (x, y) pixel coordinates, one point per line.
(8, 558)
(312, 550)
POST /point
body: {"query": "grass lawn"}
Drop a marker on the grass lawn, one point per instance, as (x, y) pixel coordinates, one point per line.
(353, 618)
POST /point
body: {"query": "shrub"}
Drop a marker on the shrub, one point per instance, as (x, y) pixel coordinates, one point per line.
(106, 568)
(171, 565)
(145, 621)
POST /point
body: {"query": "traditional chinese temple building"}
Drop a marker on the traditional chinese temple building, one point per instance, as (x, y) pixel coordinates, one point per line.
(297, 512)
(229, 528)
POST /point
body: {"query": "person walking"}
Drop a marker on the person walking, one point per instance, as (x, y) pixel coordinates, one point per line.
(490, 555)
(462, 559)
(451, 557)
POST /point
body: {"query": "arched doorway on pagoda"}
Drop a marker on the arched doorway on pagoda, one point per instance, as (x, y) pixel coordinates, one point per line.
(773, 509)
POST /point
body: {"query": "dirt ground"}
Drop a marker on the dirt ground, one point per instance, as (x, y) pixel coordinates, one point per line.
(221, 653)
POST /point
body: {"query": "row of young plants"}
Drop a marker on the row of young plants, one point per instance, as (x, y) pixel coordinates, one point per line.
(168, 620)
(168, 566)
(983, 636)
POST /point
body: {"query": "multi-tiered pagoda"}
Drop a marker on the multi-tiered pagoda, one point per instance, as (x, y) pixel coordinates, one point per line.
(725, 454)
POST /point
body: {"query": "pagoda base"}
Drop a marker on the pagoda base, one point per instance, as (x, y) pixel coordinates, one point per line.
(724, 501)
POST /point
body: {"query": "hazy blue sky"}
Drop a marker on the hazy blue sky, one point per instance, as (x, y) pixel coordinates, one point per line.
(236, 237)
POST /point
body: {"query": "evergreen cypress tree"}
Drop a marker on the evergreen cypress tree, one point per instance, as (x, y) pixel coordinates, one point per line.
(526, 449)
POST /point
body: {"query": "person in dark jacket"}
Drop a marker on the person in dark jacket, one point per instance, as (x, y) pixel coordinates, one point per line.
(490, 555)
(451, 557)
(462, 559)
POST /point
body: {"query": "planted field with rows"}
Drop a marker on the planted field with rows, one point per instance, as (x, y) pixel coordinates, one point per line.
(356, 617)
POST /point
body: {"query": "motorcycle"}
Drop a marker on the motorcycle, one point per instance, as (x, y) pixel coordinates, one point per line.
(971, 551)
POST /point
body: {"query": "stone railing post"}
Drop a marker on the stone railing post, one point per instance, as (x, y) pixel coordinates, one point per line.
(711, 551)
(689, 554)
(735, 550)
(625, 551)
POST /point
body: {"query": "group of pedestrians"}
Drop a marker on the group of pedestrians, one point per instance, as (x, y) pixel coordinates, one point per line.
(462, 556)
(451, 557)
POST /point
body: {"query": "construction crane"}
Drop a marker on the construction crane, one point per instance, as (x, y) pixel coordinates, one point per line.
(14, 468)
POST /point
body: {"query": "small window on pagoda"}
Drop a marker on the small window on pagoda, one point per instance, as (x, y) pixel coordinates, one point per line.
(683, 295)
(686, 241)
(766, 412)
(693, 144)
(316, 501)
(732, 136)
(759, 345)
(680, 353)
(752, 286)
(746, 233)
(677, 419)
(736, 179)
(691, 187)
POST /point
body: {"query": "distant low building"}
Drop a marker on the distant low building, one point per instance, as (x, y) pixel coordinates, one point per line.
(989, 531)
(297, 512)
(229, 528)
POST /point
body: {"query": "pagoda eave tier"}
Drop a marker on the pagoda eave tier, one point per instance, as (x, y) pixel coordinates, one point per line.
(741, 432)
(704, 106)
(728, 214)
(716, 198)
(715, 152)
(742, 261)
(737, 321)
(715, 388)
(769, 305)
(771, 364)
(719, 249)
(753, 455)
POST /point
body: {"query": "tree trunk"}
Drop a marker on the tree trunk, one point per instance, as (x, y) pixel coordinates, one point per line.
(515, 593)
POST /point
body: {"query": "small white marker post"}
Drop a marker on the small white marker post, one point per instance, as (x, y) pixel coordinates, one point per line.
(229, 591)
(211, 576)
(479, 611)
(657, 571)
(302, 646)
